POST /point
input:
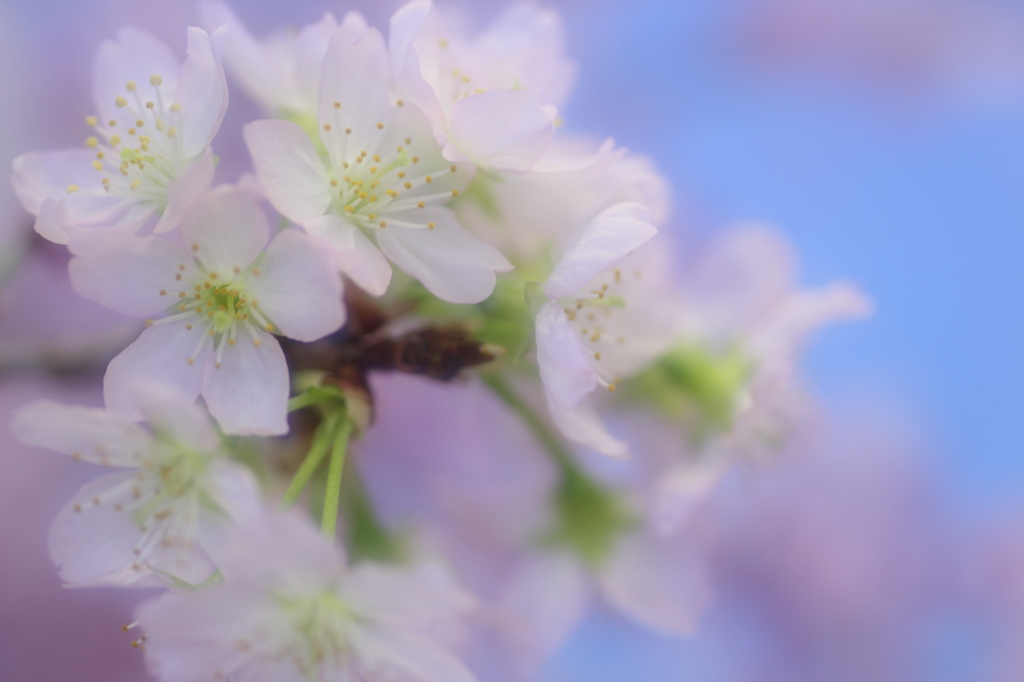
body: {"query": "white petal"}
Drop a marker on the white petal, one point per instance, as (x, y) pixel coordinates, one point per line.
(135, 57)
(356, 77)
(423, 597)
(94, 544)
(248, 393)
(565, 364)
(42, 178)
(128, 273)
(582, 425)
(86, 433)
(202, 90)
(192, 184)
(159, 355)
(175, 417)
(235, 490)
(611, 235)
(450, 262)
(679, 491)
(353, 253)
(289, 169)
(662, 583)
(225, 230)
(501, 129)
(392, 654)
(409, 80)
(298, 289)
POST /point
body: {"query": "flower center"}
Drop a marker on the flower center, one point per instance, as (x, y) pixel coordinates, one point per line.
(595, 314)
(139, 153)
(317, 631)
(371, 185)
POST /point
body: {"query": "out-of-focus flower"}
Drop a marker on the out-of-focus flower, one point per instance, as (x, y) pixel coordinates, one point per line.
(224, 291)
(290, 609)
(385, 173)
(282, 71)
(154, 124)
(491, 98)
(140, 526)
(576, 354)
(729, 386)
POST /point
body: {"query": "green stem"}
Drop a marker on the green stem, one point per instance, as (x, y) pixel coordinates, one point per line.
(321, 443)
(544, 433)
(329, 520)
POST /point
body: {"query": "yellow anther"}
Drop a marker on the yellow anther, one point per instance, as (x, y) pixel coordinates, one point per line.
(383, 224)
(149, 105)
(380, 126)
(376, 158)
(466, 79)
(408, 140)
(139, 123)
(176, 106)
(401, 174)
(100, 154)
(431, 225)
(171, 131)
(337, 105)
(149, 323)
(453, 169)
(130, 86)
(191, 361)
(327, 127)
(421, 205)
(400, 103)
(334, 183)
(257, 342)
(112, 122)
(362, 195)
(443, 43)
(408, 185)
(98, 165)
(231, 342)
(373, 169)
(611, 388)
(349, 209)
(72, 189)
(415, 159)
(373, 197)
(131, 131)
(115, 140)
(120, 102)
(455, 192)
(428, 179)
(135, 183)
(597, 356)
(91, 120)
(92, 142)
(160, 125)
(348, 131)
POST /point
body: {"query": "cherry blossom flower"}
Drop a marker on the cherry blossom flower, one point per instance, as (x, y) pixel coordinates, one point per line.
(384, 173)
(150, 153)
(290, 609)
(152, 521)
(282, 71)
(223, 292)
(576, 351)
(492, 98)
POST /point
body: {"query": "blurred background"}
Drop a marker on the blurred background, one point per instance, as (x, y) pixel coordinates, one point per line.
(885, 138)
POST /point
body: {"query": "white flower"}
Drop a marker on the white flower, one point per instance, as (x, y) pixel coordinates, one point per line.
(289, 609)
(384, 173)
(587, 332)
(150, 152)
(282, 71)
(157, 517)
(223, 295)
(492, 98)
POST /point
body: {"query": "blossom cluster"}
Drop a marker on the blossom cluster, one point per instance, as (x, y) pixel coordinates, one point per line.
(448, 328)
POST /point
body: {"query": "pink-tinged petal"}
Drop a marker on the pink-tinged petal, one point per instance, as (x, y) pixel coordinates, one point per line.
(248, 393)
(611, 235)
(297, 289)
(281, 550)
(129, 273)
(135, 57)
(355, 90)
(192, 184)
(42, 179)
(565, 364)
(450, 262)
(86, 433)
(409, 80)
(184, 561)
(175, 417)
(681, 490)
(785, 328)
(501, 129)
(582, 425)
(91, 544)
(353, 253)
(662, 583)
(202, 90)
(225, 230)
(161, 354)
(392, 654)
(289, 168)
